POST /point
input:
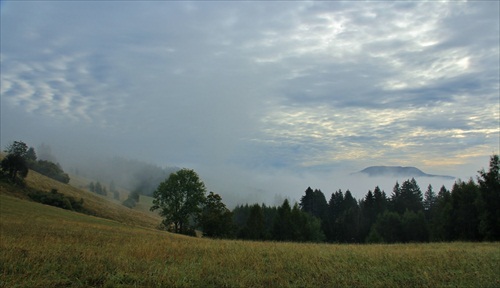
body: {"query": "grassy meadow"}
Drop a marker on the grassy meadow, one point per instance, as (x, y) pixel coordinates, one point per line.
(44, 246)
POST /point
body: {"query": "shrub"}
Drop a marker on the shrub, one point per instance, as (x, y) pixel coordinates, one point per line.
(54, 198)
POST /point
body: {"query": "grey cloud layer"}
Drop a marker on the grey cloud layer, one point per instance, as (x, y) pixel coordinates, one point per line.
(283, 84)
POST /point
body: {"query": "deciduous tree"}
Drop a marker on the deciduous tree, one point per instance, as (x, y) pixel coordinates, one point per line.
(17, 148)
(14, 167)
(215, 219)
(179, 199)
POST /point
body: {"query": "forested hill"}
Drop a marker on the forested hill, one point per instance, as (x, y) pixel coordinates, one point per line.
(398, 171)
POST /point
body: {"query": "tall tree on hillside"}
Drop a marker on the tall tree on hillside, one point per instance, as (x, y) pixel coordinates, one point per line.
(489, 183)
(179, 199)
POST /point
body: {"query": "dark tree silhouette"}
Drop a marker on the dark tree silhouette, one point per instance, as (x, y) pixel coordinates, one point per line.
(215, 219)
(14, 167)
(179, 199)
(489, 184)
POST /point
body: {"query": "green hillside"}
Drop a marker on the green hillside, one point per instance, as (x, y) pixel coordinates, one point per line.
(97, 205)
(145, 202)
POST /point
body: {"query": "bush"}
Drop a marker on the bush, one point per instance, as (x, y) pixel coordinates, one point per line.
(54, 198)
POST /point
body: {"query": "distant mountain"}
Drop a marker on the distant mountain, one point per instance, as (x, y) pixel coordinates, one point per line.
(398, 171)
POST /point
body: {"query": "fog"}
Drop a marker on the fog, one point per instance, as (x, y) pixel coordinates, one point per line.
(273, 187)
(239, 185)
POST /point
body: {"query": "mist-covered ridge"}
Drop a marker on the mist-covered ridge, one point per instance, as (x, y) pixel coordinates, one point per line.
(398, 171)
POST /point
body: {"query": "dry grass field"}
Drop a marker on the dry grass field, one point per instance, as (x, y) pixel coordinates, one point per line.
(45, 246)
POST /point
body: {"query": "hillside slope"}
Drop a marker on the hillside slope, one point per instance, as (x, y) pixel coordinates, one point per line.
(96, 205)
(145, 202)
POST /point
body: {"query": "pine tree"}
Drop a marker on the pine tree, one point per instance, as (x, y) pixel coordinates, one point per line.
(429, 199)
(335, 206)
(314, 203)
(465, 215)
(442, 227)
(349, 219)
(284, 229)
(489, 183)
(408, 196)
(368, 213)
(380, 201)
(254, 228)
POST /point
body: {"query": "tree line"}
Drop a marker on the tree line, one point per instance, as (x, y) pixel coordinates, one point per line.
(469, 212)
(20, 158)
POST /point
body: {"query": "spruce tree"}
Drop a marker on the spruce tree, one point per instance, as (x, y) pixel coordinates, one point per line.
(489, 183)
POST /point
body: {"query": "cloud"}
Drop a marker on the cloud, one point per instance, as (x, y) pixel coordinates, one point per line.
(59, 86)
(283, 88)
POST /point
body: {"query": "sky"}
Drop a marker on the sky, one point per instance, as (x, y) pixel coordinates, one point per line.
(261, 99)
